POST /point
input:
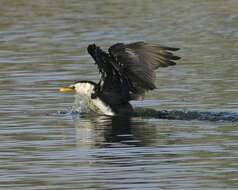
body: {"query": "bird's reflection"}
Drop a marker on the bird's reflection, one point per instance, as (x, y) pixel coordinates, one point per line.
(102, 131)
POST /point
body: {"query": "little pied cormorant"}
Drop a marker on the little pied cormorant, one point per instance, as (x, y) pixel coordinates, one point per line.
(127, 72)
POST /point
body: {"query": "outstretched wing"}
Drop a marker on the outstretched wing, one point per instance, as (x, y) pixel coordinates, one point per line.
(129, 69)
(138, 62)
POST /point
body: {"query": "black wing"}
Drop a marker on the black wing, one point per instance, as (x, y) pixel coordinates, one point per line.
(113, 87)
(129, 69)
(138, 62)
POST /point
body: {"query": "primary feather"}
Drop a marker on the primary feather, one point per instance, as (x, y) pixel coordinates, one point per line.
(138, 61)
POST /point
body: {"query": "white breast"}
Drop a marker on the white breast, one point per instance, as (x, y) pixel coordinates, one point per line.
(103, 107)
(85, 90)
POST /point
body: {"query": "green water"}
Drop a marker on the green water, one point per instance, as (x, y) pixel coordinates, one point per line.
(43, 46)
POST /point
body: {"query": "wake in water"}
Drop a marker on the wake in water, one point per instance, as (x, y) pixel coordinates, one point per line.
(185, 115)
(81, 109)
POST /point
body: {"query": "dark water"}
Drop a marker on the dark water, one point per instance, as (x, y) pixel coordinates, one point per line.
(42, 47)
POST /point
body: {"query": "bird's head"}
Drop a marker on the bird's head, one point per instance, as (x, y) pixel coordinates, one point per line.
(85, 88)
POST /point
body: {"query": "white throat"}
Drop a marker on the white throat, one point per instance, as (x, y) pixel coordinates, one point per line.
(85, 90)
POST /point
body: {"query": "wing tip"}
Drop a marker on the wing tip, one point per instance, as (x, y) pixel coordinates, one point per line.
(170, 48)
(175, 57)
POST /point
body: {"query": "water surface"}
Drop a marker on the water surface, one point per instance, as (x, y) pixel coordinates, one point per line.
(43, 46)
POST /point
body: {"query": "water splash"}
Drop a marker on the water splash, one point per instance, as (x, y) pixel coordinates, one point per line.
(164, 114)
(83, 107)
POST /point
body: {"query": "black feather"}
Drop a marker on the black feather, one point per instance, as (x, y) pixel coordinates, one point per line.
(128, 70)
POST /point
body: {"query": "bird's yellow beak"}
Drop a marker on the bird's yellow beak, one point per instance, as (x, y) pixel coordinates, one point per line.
(67, 89)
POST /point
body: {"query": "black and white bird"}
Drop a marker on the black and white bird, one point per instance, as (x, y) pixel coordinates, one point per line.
(127, 72)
